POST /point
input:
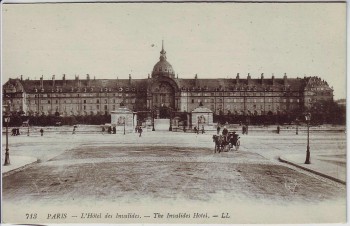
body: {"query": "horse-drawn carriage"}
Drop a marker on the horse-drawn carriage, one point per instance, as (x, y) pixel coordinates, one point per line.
(226, 143)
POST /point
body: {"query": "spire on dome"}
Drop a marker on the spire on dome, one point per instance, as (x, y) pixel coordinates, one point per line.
(162, 53)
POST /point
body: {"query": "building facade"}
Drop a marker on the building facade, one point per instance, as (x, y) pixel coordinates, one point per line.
(235, 96)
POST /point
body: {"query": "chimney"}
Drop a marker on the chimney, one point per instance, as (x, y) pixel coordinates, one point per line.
(262, 78)
(196, 80)
(64, 79)
(237, 78)
(273, 79)
(129, 79)
(88, 80)
(53, 80)
(41, 82)
(248, 79)
(21, 77)
(285, 79)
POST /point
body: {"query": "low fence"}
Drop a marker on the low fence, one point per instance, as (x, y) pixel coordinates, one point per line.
(91, 129)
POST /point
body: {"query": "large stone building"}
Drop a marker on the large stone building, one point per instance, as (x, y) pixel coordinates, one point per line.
(164, 90)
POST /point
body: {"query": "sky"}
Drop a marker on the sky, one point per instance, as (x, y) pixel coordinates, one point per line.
(212, 40)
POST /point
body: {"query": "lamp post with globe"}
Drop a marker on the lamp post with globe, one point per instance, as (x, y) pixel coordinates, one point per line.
(7, 154)
(308, 118)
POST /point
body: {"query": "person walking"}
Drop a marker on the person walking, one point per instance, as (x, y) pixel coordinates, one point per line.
(224, 133)
(114, 130)
(42, 131)
(278, 129)
(140, 131)
(103, 130)
(218, 130)
(202, 129)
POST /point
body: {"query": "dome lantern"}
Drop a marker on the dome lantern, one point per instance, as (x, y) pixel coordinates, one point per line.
(163, 67)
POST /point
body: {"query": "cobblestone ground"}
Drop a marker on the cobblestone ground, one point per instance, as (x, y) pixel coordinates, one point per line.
(162, 172)
(129, 170)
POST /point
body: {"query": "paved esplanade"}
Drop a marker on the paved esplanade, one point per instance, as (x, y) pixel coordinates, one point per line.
(167, 168)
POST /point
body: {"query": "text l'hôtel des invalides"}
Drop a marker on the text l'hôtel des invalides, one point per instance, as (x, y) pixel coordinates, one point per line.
(236, 96)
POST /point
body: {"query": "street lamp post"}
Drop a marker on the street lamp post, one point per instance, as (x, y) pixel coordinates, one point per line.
(153, 113)
(7, 155)
(124, 125)
(297, 128)
(308, 118)
(197, 124)
(170, 114)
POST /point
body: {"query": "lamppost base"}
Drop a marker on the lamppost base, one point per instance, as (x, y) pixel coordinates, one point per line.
(7, 159)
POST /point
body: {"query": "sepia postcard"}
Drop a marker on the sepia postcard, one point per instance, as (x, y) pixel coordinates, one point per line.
(173, 112)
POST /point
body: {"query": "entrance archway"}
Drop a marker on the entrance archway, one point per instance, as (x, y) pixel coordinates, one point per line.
(163, 95)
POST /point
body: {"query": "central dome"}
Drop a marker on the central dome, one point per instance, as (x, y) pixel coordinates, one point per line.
(163, 67)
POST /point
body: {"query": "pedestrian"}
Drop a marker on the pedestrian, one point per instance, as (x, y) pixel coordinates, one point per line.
(103, 130)
(278, 129)
(218, 130)
(246, 129)
(202, 129)
(17, 132)
(42, 131)
(140, 131)
(73, 130)
(13, 132)
(136, 129)
(195, 129)
(114, 130)
(224, 133)
(184, 128)
(109, 130)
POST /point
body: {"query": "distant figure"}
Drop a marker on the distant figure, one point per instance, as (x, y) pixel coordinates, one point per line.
(109, 130)
(278, 129)
(225, 133)
(73, 130)
(202, 129)
(136, 129)
(17, 132)
(184, 128)
(218, 130)
(246, 129)
(103, 130)
(243, 129)
(13, 132)
(114, 130)
(140, 131)
(195, 129)
(42, 131)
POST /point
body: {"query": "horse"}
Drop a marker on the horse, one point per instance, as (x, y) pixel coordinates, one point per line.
(219, 143)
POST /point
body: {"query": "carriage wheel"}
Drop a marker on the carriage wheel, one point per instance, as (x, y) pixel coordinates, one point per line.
(237, 145)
